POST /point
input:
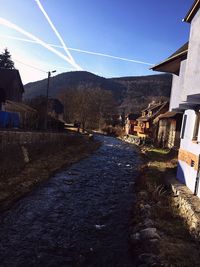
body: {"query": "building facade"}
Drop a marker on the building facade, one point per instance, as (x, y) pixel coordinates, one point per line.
(145, 127)
(185, 97)
(130, 123)
(169, 129)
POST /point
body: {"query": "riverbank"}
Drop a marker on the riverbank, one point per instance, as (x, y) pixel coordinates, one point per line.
(158, 235)
(24, 167)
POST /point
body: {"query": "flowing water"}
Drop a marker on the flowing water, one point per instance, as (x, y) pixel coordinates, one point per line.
(78, 218)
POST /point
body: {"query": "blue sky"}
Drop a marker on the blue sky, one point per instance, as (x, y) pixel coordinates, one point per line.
(145, 30)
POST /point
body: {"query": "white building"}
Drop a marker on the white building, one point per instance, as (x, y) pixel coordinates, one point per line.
(184, 64)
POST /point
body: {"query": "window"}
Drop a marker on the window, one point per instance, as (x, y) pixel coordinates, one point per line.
(196, 127)
(183, 126)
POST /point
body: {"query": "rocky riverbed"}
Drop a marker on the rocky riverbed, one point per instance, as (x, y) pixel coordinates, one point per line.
(80, 217)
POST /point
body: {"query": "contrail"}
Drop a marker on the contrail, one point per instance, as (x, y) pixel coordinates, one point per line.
(82, 51)
(110, 56)
(11, 25)
(55, 31)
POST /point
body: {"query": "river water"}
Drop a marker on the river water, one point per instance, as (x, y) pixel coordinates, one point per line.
(79, 217)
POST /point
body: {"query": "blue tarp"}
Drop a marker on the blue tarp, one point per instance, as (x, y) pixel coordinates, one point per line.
(9, 120)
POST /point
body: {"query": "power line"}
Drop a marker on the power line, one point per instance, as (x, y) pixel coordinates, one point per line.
(30, 66)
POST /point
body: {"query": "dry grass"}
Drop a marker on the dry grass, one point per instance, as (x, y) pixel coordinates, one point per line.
(176, 247)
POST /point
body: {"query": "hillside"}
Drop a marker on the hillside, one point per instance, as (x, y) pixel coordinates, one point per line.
(143, 89)
(130, 92)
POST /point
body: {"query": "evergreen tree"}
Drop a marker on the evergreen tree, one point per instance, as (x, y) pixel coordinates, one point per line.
(6, 61)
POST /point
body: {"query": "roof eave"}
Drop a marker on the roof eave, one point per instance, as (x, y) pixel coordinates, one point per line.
(159, 67)
(192, 12)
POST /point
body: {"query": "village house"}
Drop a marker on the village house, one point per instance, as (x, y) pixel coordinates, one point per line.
(11, 87)
(145, 127)
(56, 109)
(169, 127)
(14, 113)
(185, 97)
(130, 123)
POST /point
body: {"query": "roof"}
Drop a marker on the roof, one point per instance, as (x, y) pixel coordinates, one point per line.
(148, 118)
(18, 107)
(192, 12)
(172, 63)
(132, 116)
(56, 105)
(9, 77)
(152, 106)
(168, 115)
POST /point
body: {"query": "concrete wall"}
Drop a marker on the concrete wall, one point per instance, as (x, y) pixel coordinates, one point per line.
(177, 90)
(188, 81)
(192, 74)
(189, 151)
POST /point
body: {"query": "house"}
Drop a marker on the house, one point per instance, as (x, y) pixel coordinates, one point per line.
(130, 123)
(145, 127)
(14, 113)
(169, 127)
(28, 116)
(56, 109)
(185, 97)
(11, 87)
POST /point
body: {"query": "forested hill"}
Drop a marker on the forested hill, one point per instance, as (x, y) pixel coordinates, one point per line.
(143, 89)
(130, 92)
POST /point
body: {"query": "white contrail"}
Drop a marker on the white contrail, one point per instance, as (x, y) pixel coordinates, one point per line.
(110, 56)
(11, 25)
(55, 31)
(81, 51)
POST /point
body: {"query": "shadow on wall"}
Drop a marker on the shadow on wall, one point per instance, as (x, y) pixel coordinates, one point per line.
(189, 178)
(180, 174)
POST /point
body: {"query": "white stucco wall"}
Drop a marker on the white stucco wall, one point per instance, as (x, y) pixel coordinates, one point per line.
(177, 94)
(188, 83)
(192, 73)
(187, 142)
(186, 173)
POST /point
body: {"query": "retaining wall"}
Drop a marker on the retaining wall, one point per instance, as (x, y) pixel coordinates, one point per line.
(9, 138)
(188, 206)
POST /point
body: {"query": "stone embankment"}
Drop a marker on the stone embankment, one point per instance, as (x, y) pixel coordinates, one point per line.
(187, 205)
(159, 235)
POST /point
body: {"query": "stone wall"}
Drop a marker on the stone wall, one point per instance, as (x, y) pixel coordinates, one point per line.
(9, 138)
(19, 148)
(188, 207)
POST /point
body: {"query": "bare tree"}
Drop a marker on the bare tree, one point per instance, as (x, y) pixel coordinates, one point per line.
(90, 106)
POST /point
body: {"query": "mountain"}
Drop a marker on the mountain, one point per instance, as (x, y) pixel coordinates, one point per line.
(131, 93)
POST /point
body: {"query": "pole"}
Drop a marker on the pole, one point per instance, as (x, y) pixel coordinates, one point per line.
(47, 97)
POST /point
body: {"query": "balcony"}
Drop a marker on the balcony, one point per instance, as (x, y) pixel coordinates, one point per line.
(139, 129)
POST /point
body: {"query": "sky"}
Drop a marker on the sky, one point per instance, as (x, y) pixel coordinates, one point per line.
(147, 31)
